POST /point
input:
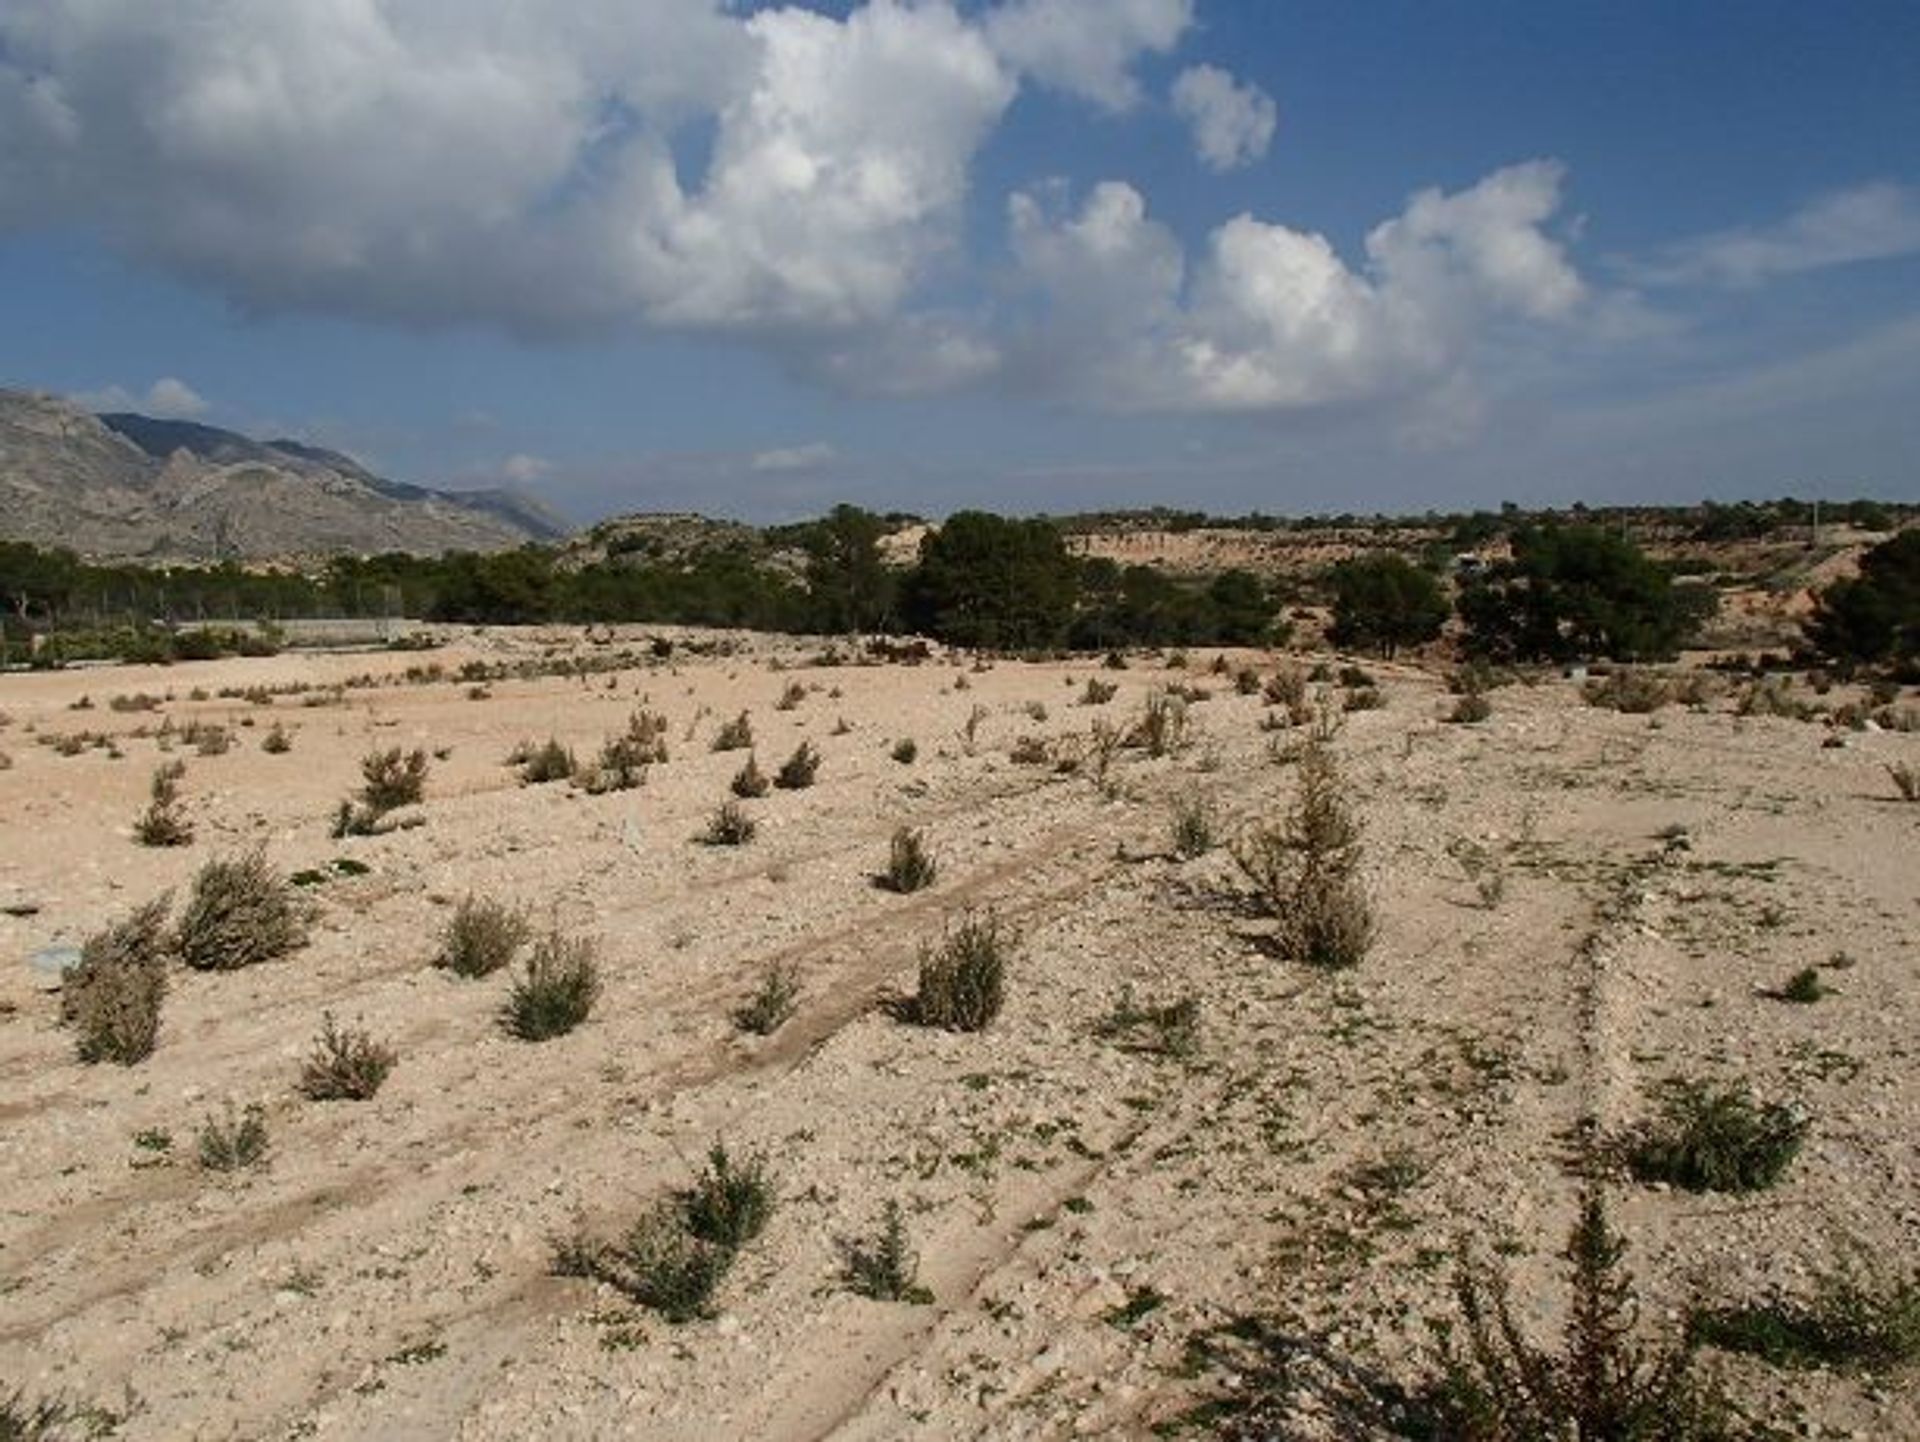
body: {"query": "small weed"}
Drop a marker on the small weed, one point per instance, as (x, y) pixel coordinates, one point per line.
(771, 1006)
(162, 823)
(910, 865)
(1194, 827)
(346, 1065)
(750, 781)
(730, 826)
(797, 772)
(234, 1142)
(735, 735)
(1804, 986)
(885, 1268)
(1849, 1323)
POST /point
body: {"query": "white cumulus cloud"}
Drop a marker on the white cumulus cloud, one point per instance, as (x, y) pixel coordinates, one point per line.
(1232, 123)
(1087, 47)
(1272, 318)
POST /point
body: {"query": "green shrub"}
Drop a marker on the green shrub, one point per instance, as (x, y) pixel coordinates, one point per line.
(663, 1266)
(1601, 1385)
(235, 1142)
(1305, 870)
(161, 824)
(729, 1203)
(1708, 1138)
(770, 1007)
(240, 912)
(1804, 986)
(481, 937)
(885, 1268)
(910, 865)
(561, 983)
(963, 980)
(112, 998)
(346, 1064)
(1849, 1323)
(730, 826)
(750, 781)
(797, 772)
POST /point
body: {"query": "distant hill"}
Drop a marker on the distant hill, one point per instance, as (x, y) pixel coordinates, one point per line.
(134, 486)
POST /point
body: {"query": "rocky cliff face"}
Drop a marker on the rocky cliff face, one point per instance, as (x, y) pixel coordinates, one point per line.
(132, 486)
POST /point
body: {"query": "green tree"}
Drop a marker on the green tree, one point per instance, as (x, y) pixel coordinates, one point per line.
(1875, 616)
(850, 587)
(985, 580)
(1383, 602)
(1577, 591)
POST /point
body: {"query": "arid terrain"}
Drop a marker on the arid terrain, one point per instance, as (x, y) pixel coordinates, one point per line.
(1574, 905)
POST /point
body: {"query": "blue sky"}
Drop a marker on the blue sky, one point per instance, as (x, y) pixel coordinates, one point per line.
(1032, 254)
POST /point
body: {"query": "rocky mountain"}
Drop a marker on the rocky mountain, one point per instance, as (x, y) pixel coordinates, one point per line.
(134, 486)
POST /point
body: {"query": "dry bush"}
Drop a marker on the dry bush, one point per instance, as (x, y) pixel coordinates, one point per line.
(620, 766)
(161, 824)
(906, 751)
(347, 1064)
(1364, 698)
(750, 782)
(1286, 687)
(1162, 727)
(791, 698)
(557, 992)
(1770, 696)
(735, 735)
(1469, 708)
(1098, 692)
(730, 826)
(241, 911)
(773, 1004)
(112, 998)
(1305, 870)
(277, 742)
(1194, 827)
(1246, 681)
(482, 936)
(1628, 689)
(234, 1142)
(963, 980)
(392, 779)
(547, 763)
(797, 772)
(910, 865)
(1030, 751)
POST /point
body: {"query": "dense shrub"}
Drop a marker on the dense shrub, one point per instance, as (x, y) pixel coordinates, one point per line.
(240, 911)
(730, 1202)
(1708, 1138)
(1383, 602)
(557, 991)
(963, 980)
(1874, 617)
(112, 998)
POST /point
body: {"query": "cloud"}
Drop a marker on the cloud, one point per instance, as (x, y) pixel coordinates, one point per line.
(169, 398)
(578, 164)
(1087, 47)
(809, 457)
(1271, 318)
(1232, 124)
(1868, 222)
(523, 470)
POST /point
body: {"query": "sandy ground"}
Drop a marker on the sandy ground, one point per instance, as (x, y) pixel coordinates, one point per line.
(1082, 1211)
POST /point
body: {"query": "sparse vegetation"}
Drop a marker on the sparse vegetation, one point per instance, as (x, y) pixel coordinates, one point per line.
(1194, 827)
(730, 826)
(1163, 1028)
(481, 937)
(776, 1000)
(1715, 1138)
(557, 991)
(163, 823)
(346, 1064)
(548, 763)
(1305, 870)
(750, 781)
(735, 735)
(797, 772)
(910, 865)
(235, 1141)
(392, 779)
(240, 912)
(963, 980)
(730, 1202)
(1850, 1322)
(885, 1268)
(112, 998)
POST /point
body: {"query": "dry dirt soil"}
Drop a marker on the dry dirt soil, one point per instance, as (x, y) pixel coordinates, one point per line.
(1574, 904)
